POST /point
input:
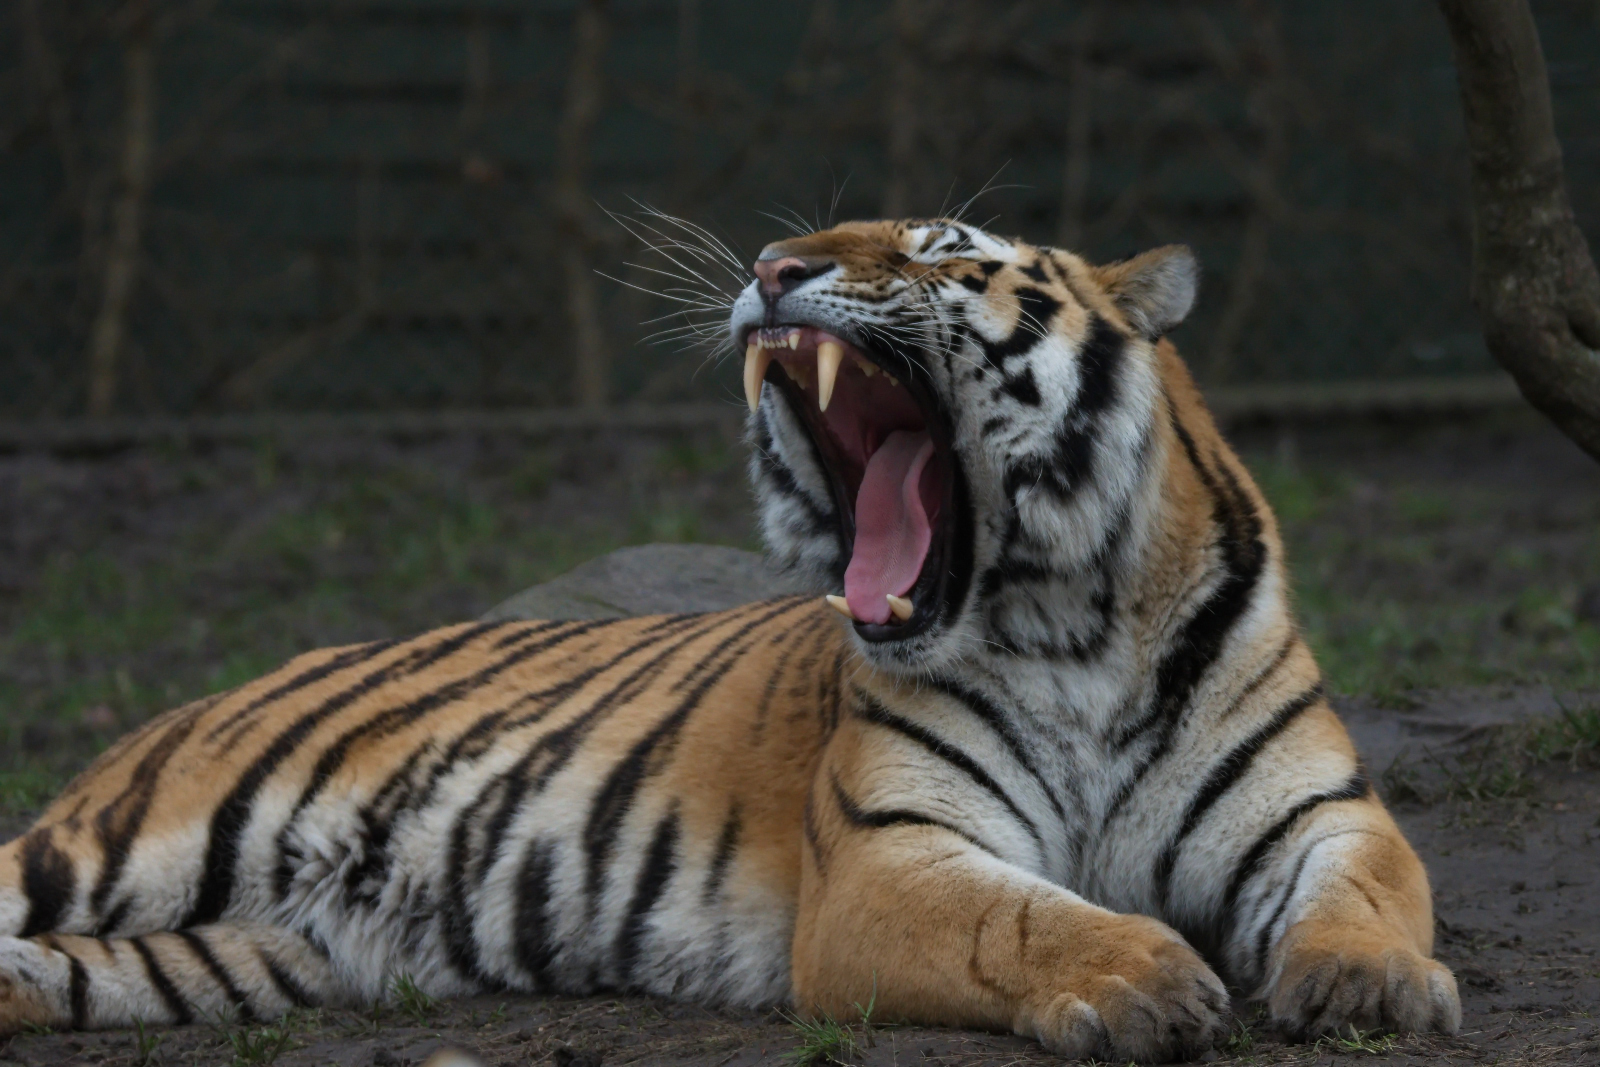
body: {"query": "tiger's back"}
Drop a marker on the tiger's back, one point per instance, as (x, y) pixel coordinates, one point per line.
(624, 795)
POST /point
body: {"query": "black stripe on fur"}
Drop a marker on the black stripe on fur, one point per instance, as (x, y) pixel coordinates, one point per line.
(660, 863)
(1254, 859)
(1234, 766)
(874, 712)
(162, 983)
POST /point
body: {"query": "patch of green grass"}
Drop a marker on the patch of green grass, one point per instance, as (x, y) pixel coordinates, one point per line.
(1498, 769)
(1241, 1040)
(1424, 507)
(1296, 493)
(689, 458)
(413, 1001)
(145, 1044)
(822, 1041)
(671, 525)
(1573, 735)
(1486, 774)
(1430, 583)
(377, 553)
(1386, 617)
(26, 789)
(258, 1046)
(825, 1040)
(1360, 1042)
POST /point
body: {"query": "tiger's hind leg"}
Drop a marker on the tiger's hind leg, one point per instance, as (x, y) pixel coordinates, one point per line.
(225, 970)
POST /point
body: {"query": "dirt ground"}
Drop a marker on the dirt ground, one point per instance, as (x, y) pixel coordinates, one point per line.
(1448, 574)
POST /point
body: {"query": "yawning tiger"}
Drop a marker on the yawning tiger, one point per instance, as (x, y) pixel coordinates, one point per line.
(1066, 762)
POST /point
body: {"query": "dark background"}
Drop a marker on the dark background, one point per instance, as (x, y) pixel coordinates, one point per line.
(353, 204)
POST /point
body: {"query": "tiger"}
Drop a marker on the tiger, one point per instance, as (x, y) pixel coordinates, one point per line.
(1050, 756)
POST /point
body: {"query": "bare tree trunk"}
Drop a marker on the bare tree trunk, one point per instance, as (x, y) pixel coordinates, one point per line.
(1534, 281)
(1080, 129)
(109, 331)
(905, 31)
(585, 86)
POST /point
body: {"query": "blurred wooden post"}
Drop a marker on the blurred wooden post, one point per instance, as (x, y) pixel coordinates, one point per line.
(45, 67)
(683, 141)
(580, 113)
(1267, 104)
(905, 30)
(1080, 129)
(477, 80)
(108, 333)
(1534, 281)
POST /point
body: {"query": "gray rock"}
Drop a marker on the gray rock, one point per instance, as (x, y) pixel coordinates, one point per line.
(650, 580)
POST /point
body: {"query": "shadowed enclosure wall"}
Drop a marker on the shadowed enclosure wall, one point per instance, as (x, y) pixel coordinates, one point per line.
(220, 204)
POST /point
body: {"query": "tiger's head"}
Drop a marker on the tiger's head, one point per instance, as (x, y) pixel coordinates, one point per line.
(950, 430)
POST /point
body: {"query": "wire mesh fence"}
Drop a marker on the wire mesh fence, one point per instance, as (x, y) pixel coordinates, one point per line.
(223, 205)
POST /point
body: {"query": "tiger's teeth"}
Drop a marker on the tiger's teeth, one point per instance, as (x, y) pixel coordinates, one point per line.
(755, 372)
(892, 379)
(867, 368)
(829, 356)
(899, 606)
(840, 604)
(794, 339)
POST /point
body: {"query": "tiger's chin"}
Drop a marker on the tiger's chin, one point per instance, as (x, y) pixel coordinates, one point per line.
(882, 438)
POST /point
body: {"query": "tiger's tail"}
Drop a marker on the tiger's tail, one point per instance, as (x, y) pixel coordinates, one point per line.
(237, 971)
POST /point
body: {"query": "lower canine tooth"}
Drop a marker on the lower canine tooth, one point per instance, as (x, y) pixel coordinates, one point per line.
(829, 356)
(840, 604)
(899, 606)
(755, 372)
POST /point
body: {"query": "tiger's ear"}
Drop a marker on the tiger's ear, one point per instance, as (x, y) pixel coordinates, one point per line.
(1154, 289)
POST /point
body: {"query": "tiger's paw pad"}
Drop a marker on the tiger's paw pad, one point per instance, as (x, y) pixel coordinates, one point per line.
(1331, 990)
(1151, 999)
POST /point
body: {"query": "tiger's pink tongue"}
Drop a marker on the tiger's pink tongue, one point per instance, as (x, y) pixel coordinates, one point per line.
(893, 530)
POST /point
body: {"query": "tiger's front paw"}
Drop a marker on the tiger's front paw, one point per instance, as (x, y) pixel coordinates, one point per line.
(1328, 980)
(1136, 991)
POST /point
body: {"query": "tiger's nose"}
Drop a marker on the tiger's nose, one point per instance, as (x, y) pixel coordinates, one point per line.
(781, 273)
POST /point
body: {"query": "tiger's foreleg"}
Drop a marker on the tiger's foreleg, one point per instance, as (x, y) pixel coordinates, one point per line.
(226, 970)
(933, 929)
(1351, 931)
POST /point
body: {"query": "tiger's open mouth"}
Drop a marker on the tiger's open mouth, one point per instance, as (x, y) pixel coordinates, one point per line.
(884, 441)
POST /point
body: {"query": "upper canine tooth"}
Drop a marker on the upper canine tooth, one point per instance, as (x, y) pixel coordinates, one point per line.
(829, 355)
(899, 606)
(755, 372)
(840, 604)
